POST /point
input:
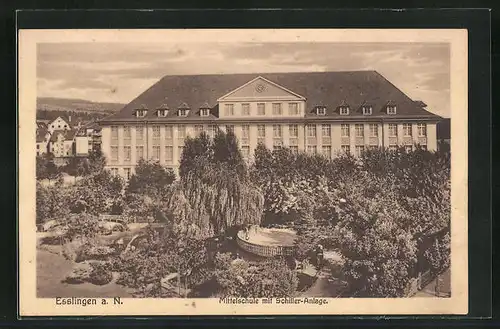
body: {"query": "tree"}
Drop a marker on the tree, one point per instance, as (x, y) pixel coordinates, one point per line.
(51, 202)
(78, 167)
(97, 194)
(226, 150)
(194, 148)
(390, 214)
(158, 254)
(97, 161)
(213, 199)
(150, 178)
(380, 251)
(41, 167)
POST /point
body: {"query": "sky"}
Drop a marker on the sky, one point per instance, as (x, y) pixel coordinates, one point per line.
(119, 72)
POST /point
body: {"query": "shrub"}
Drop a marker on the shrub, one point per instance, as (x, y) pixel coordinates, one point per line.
(100, 274)
(238, 278)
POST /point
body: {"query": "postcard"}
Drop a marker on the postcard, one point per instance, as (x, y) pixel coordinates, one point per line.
(242, 172)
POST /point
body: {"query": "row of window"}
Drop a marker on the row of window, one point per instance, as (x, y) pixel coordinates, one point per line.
(366, 109)
(326, 150)
(277, 131)
(277, 109)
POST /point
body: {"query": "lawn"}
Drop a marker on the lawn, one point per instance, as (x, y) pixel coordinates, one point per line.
(52, 269)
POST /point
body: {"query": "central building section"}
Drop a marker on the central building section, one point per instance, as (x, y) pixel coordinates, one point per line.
(262, 111)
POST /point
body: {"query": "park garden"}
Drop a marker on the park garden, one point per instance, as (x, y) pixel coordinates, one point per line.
(384, 216)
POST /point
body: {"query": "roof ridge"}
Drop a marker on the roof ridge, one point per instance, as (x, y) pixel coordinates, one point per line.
(264, 73)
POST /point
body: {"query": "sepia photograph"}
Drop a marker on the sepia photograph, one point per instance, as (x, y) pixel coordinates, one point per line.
(243, 172)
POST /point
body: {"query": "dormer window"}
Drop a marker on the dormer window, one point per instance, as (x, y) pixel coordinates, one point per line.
(321, 110)
(391, 109)
(344, 110)
(182, 112)
(141, 113)
(162, 113)
(367, 110)
(204, 112)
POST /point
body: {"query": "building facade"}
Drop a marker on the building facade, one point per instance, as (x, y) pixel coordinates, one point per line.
(325, 113)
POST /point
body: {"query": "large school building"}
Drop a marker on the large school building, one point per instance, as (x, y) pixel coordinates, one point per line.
(316, 112)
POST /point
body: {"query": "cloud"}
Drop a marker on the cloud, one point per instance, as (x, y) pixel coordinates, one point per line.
(121, 71)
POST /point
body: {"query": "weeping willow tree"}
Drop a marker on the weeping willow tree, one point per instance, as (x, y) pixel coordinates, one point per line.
(214, 192)
(208, 202)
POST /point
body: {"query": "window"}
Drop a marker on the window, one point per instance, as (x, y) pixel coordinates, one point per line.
(408, 148)
(344, 130)
(114, 153)
(391, 109)
(393, 148)
(65, 126)
(294, 149)
(367, 110)
(212, 129)
(406, 129)
(360, 130)
(327, 151)
(321, 110)
(162, 113)
(59, 126)
(326, 130)
(139, 152)
(346, 149)
(422, 129)
(204, 112)
(277, 144)
(230, 128)
(245, 151)
(359, 150)
(156, 153)
(127, 172)
(127, 133)
(114, 172)
(293, 131)
(198, 129)
(127, 153)
(261, 109)
(181, 132)
(169, 132)
(245, 109)
(373, 130)
(311, 149)
(311, 130)
(393, 130)
(277, 109)
(277, 131)
(114, 132)
(182, 112)
(169, 153)
(245, 131)
(293, 108)
(229, 109)
(139, 134)
(140, 113)
(344, 110)
(156, 132)
(261, 131)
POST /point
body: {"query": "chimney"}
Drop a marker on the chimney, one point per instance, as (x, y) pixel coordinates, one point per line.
(69, 118)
